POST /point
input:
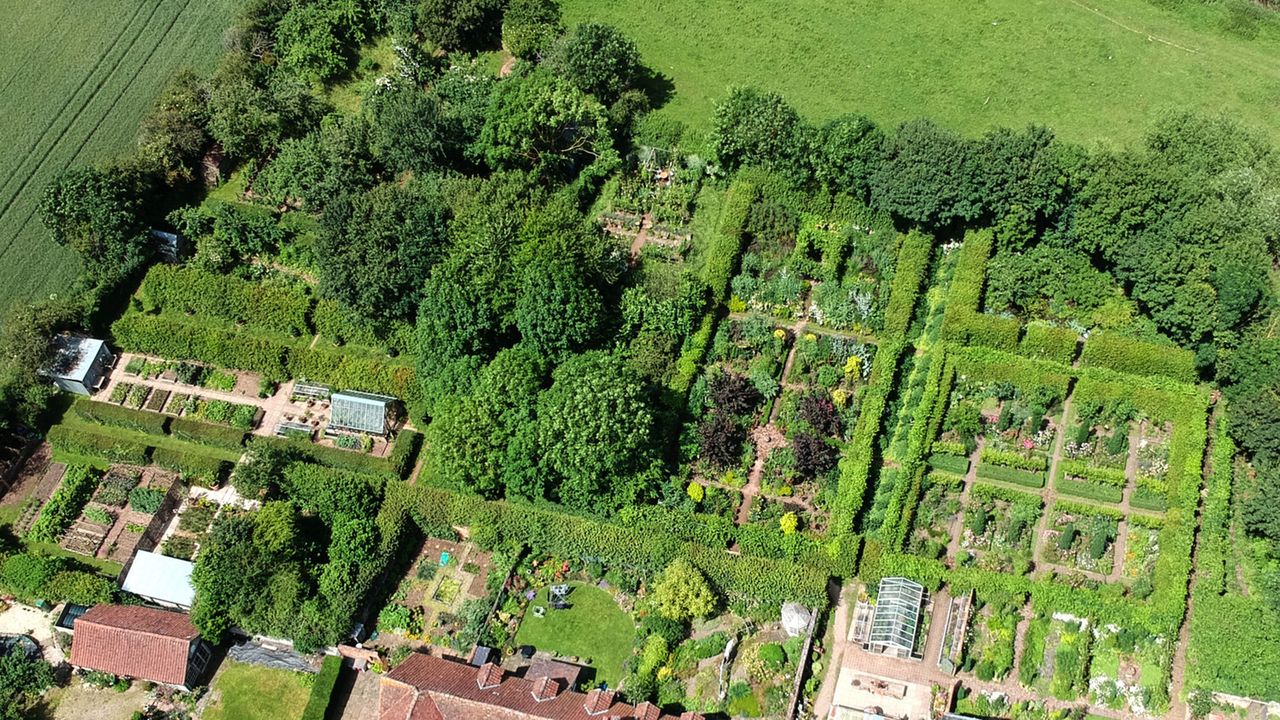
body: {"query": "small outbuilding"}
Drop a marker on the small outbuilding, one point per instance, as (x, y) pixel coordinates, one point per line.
(142, 643)
(81, 364)
(161, 580)
(355, 411)
(899, 602)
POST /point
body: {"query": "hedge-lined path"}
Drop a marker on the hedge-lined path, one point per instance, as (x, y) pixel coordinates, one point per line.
(1050, 494)
(1178, 668)
(970, 477)
(839, 639)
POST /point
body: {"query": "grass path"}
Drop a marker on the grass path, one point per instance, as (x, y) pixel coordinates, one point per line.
(1094, 71)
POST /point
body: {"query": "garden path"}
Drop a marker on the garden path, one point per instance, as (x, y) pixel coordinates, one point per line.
(642, 237)
(839, 639)
(768, 437)
(957, 525)
(1178, 672)
(1050, 495)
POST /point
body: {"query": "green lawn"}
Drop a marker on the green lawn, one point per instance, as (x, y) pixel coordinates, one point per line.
(969, 65)
(595, 630)
(250, 692)
(75, 79)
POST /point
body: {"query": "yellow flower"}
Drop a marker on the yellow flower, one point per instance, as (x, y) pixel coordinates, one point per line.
(780, 333)
(853, 366)
(810, 337)
(840, 397)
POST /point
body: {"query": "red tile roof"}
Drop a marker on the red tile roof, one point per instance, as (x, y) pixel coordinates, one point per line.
(134, 641)
(430, 688)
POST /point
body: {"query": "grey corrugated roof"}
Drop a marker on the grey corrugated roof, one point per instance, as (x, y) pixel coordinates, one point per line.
(75, 355)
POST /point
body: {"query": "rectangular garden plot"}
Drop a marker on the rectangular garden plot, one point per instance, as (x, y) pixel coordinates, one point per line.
(998, 529)
(1081, 537)
(1055, 657)
(1129, 672)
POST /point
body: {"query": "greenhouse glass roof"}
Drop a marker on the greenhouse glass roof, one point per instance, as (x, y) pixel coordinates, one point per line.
(361, 412)
(897, 614)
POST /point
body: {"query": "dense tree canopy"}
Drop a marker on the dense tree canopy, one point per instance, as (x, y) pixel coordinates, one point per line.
(598, 59)
(378, 246)
(98, 213)
(530, 26)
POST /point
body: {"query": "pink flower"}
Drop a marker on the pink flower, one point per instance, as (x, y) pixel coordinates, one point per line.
(1027, 444)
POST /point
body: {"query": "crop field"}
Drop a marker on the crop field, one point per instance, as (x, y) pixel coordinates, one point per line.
(75, 80)
(1093, 71)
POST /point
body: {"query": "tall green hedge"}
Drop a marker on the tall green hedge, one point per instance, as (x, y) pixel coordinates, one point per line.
(1045, 342)
(764, 582)
(107, 414)
(95, 445)
(1127, 355)
(322, 688)
(278, 307)
(200, 469)
(859, 452)
(207, 433)
(180, 339)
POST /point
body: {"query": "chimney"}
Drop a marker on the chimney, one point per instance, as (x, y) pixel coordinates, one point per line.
(647, 711)
(488, 676)
(598, 701)
(545, 688)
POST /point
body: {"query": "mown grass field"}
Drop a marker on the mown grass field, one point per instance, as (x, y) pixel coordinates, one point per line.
(1093, 75)
(75, 80)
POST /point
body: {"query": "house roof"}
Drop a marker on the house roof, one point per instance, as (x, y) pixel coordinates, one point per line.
(161, 578)
(359, 411)
(424, 687)
(134, 641)
(74, 356)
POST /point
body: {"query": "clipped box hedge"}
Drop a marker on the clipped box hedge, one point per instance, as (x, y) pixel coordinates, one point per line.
(1013, 460)
(1127, 355)
(404, 453)
(1045, 342)
(322, 688)
(106, 414)
(207, 433)
(950, 463)
(1149, 499)
(91, 444)
(1017, 476)
(200, 469)
(1089, 490)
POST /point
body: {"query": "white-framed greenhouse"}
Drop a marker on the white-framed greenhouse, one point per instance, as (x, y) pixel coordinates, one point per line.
(355, 411)
(899, 602)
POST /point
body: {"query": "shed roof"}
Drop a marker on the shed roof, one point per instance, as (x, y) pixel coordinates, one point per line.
(134, 641)
(74, 355)
(364, 412)
(897, 614)
(161, 577)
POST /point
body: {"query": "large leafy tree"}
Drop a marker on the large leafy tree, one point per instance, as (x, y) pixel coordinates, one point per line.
(487, 440)
(595, 428)
(378, 246)
(929, 176)
(557, 311)
(541, 122)
(98, 213)
(461, 24)
(22, 680)
(530, 26)
(598, 59)
(407, 128)
(172, 136)
(753, 127)
(315, 41)
(847, 154)
(332, 161)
